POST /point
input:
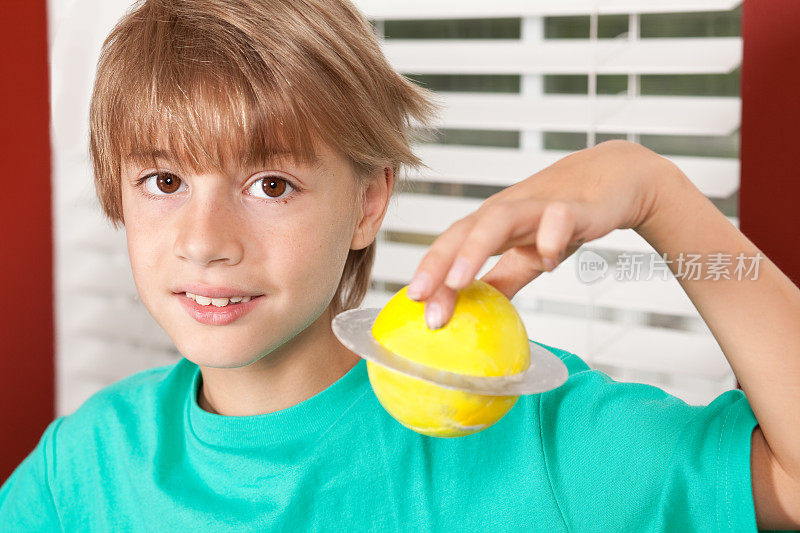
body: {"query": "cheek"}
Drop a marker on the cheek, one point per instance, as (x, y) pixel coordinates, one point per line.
(146, 250)
(143, 257)
(314, 255)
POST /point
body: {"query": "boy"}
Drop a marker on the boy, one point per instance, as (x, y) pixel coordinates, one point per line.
(250, 148)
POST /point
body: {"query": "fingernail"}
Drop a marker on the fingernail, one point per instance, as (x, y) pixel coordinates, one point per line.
(419, 284)
(433, 315)
(549, 264)
(458, 273)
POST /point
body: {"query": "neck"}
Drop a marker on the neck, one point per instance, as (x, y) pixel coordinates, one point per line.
(299, 369)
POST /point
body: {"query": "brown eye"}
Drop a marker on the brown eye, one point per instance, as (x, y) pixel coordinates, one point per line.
(160, 184)
(273, 187)
(167, 183)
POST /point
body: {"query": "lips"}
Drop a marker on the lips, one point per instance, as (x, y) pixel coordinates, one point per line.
(217, 316)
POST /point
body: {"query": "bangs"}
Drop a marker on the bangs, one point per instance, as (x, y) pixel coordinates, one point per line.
(202, 131)
(208, 111)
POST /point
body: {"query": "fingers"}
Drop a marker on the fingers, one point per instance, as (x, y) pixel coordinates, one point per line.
(431, 270)
(439, 307)
(515, 269)
(458, 254)
(534, 235)
(555, 230)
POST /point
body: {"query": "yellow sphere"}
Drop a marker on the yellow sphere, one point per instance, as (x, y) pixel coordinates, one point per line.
(485, 337)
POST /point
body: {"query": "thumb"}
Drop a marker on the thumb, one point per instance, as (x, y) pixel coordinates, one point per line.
(516, 268)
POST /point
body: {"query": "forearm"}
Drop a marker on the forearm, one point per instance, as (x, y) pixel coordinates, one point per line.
(755, 321)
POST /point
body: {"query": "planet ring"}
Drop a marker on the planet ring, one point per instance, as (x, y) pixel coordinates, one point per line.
(547, 371)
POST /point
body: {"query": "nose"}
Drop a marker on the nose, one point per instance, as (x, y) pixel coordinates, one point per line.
(209, 232)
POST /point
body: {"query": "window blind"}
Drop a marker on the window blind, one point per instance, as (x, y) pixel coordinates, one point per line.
(523, 84)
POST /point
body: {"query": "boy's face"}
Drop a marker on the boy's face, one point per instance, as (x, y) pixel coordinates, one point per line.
(280, 234)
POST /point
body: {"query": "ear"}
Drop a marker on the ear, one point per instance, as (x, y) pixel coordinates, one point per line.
(376, 200)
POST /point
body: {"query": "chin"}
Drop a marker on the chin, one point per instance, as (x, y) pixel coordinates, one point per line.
(210, 355)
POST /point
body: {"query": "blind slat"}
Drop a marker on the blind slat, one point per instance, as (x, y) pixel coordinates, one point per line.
(665, 115)
(566, 56)
(717, 177)
(466, 9)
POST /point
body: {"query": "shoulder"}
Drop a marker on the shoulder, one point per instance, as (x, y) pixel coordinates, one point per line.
(132, 402)
(591, 410)
(650, 450)
(573, 363)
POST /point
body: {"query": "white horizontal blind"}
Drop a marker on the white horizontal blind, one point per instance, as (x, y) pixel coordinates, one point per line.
(646, 331)
(464, 9)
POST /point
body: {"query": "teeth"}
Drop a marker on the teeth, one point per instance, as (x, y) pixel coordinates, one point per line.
(217, 302)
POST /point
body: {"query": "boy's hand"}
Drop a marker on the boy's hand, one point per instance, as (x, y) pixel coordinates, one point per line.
(538, 222)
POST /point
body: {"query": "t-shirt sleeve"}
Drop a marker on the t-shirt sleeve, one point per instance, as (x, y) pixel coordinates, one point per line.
(26, 500)
(631, 457)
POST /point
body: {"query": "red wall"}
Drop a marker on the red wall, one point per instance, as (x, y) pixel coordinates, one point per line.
(26, 266)
(769, 198)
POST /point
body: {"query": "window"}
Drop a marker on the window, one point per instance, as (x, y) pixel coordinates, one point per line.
(525, 85)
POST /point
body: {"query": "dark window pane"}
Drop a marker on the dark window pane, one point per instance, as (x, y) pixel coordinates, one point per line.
(578, 27)
(566, 83)
(692, 84)
(468, 190)
(579, 84)
(602, 137)
(699, 145)
(468, 82)
(500, 138)
(702, 24)
(566, 27)
(610, 26)
(506, 28)
(561, 140)
(612, 83)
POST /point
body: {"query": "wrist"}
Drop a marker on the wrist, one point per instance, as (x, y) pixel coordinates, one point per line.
(666, 189)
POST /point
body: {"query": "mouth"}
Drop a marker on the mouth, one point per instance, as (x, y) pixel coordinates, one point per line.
(217, 302)
(217, 311)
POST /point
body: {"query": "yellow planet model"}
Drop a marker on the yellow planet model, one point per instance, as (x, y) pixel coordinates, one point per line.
(485, 337)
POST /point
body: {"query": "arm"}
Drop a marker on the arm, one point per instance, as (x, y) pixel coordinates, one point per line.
(538, 222)
(756, 323)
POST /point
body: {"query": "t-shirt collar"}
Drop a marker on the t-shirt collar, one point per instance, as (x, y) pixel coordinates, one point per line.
(315, 414)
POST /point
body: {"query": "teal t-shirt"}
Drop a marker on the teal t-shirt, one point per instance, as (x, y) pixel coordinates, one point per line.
(591, 455)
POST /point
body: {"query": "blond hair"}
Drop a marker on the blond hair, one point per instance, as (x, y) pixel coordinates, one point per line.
(241, 81)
